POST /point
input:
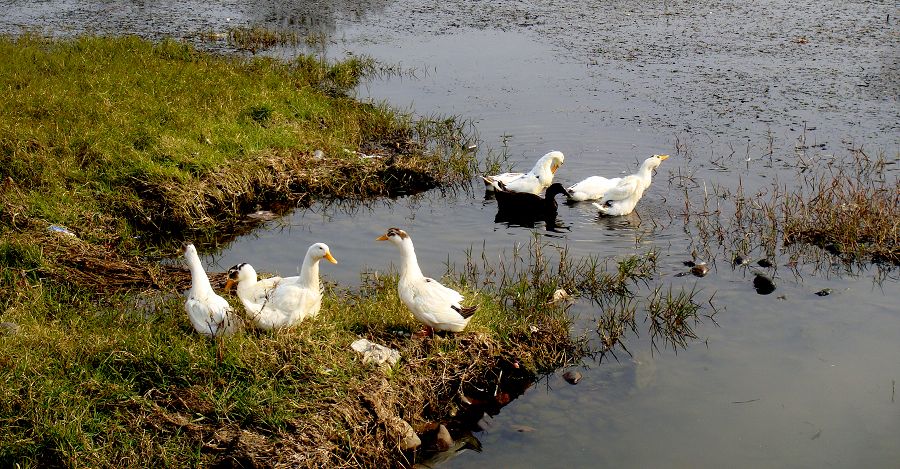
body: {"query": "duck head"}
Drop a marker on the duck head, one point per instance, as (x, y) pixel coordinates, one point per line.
(395, 235)
(654, 161)
(555, 189)
(550, 162)
(320, 251)
(240, 273)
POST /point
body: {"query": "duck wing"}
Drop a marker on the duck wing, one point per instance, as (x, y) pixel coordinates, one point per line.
(625, 189)
(592, 188)
(439, 306)
(492, 183)
(209, 316)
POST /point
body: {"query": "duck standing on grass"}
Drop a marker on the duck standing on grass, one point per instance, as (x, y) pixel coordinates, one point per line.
(620, 198)
(431, 303)
(533, 182)
(276, 302)
(210, 314)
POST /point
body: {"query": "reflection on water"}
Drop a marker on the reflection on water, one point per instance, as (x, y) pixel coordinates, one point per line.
(785, 379)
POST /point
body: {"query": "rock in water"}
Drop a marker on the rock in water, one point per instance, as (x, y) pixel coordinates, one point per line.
(444, 440)
(764, 263)
(700, 270)
(572, 377)
(763, 285)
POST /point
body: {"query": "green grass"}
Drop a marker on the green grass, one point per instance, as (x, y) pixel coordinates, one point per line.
(99, 382)
(110, 136)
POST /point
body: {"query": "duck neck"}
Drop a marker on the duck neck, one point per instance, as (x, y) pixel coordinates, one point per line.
(309, 273)
(199, 280)
(645, 172)
(409, 269)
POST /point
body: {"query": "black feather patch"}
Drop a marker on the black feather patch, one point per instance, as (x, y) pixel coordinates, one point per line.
(465, 312)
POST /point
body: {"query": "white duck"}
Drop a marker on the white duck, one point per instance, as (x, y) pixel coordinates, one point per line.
(433, 304)
(277, 302)
(533, 182)
(621, 198)
(210, 314)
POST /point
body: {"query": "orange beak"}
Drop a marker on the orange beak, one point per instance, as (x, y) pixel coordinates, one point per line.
(330, 258)
(382, 238)
(553, 168)
(229, 284)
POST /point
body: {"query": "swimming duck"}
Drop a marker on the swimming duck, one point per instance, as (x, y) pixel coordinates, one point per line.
(621, 198)
(534, 182)
(431, 303)
(277, 302)
(508, 201)
(210, 314)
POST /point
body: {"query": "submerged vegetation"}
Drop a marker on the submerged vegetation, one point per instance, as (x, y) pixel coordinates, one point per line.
(834, 208)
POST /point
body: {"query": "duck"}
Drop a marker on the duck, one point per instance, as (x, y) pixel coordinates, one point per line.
(281, 302)
(534, 181)
(509, 201)
(621, 198)
(434, 305)
(210, 314)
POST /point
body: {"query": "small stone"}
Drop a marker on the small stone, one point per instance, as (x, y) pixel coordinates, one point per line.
(764, 263)
(681, 274)
(700, 270)
(824, 292)
(689, 263)
(572, 377)
(319, 155)
(8, 328)
(407, 436)
(444, 440)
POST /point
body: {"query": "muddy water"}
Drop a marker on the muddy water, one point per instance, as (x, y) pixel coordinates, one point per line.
(789, 379)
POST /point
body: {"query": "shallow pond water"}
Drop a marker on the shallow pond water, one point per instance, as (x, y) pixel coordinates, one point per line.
(788, 379)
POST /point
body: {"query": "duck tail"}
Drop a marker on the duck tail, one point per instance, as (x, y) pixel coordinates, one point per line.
(465, 312)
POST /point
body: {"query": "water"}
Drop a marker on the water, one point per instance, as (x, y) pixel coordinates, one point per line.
(789, 379)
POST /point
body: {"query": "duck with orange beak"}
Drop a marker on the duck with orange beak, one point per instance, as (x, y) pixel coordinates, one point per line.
(434, 305)
(533, 182)
(276, 302)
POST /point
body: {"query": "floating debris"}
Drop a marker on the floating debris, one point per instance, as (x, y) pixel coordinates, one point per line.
(764, 263)
(700, 270)
(824, 292)
(374, 353)
(262, 215)
(689, 263)
(522, 428)
(763, 285)
(572, 377)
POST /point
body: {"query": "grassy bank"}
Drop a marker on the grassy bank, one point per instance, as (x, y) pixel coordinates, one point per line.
(121, 380)
(127, 143)
(131, 146)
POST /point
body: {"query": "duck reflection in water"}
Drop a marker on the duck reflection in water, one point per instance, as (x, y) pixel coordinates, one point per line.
(524, 209)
